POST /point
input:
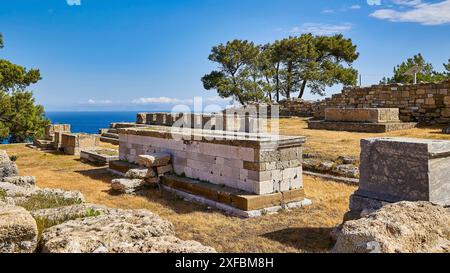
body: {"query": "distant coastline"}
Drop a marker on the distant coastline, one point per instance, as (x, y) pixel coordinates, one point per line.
(90, 121)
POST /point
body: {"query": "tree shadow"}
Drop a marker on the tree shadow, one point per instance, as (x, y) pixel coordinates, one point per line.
(309, 239)
(155, 195)
(101, 174)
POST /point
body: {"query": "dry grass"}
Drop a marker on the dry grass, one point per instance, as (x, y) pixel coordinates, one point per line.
(295, 231)
(331, 144)
(299, 230)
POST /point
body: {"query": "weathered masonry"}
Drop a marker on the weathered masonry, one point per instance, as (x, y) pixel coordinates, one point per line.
(73, 144)
(249, 122)
(374, 120)
(258, 168)
(402, 169)
(52, 133)
(425, 102)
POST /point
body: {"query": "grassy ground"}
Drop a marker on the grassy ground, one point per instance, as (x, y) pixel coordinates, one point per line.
(300, 230)
(331, 144)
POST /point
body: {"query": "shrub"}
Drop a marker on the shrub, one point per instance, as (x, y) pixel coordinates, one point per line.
(45, 201)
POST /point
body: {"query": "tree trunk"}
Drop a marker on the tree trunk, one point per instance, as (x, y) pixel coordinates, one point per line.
(302, 90)
(289, 80)
(277, 87)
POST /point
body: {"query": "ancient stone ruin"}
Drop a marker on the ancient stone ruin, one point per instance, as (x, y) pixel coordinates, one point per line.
(69, 225)
(370, 120)
(73, 144)
(402, 169)
(52, 136)
(424, 102)
(242, 173)
(110, 135)
(99, 156)
(242, 121)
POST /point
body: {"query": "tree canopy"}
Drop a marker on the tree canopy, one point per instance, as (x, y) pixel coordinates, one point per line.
(238, 75)
(253, 73)
(20, 118)
(427, 73)
(447, 69)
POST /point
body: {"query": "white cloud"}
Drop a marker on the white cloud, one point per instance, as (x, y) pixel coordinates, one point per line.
(167, 100)
(327, 11)
(73, 2)
(355, 7)
(92, 101)
(322, 29)
(407, 2)
(374, 2)
(163, 100)
(418, 12)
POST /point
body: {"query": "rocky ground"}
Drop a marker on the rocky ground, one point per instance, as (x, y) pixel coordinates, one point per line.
(404, 227)
(303, 230)
(58, 221)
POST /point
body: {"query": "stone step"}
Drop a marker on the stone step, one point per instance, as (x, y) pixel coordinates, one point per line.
(122, 167)
(113, 131)
(113, 141)
(232, 197)
(111, 135)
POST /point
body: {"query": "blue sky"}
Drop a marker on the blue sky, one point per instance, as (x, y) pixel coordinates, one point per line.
(149, 55)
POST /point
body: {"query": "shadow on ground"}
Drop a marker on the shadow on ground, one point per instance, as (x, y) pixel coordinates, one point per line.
(309, 239)
(164, 198)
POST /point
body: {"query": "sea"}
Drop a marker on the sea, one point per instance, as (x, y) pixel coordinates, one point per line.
(88, 122)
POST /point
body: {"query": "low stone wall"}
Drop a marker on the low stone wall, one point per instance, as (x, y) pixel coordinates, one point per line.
(74, 143)
(259, 164)
(237, 123)
(370, 115)
(298, 108)
(50, 130)
(427, 102)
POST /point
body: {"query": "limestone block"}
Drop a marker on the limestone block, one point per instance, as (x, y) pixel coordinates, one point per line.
(162, 170)
(402, 169)
(370, 115)
(154, 160)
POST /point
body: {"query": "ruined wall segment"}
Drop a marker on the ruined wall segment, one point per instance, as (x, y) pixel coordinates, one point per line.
(255, 163)
(426, 102)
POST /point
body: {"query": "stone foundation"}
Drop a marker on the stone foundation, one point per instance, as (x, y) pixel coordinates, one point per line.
(237, 123)
(369, 120)
(402, 169)
(258, 164)
(363, 115)
(360, 127)
(50, 130)
(72, 144)
(52, 135)
(100, 156)
(233, 201)
(424, 102)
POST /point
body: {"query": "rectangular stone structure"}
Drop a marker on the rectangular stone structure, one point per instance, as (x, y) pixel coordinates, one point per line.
(100, 156)
(249, 123)
(366, 115)
(72, 144)
(50, 130)
(403, 169)
(255, 163)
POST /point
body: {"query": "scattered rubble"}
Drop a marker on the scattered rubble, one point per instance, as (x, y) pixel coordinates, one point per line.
(121, 231)
(18, 230)
(71, 226)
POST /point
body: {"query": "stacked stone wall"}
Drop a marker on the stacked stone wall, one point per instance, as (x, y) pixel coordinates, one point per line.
(425, 102)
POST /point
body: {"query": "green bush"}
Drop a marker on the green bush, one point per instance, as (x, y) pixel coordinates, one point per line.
(45, 201)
